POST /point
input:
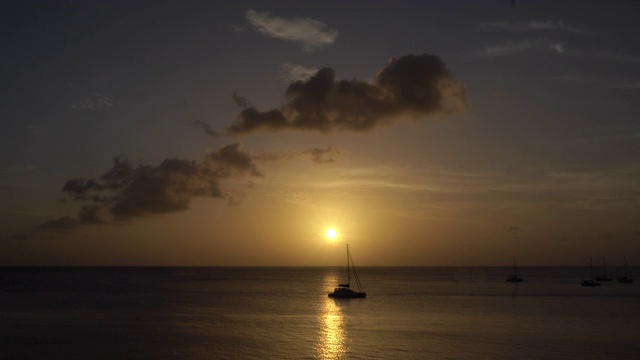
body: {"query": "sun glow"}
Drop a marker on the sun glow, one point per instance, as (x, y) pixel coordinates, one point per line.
(332, 234)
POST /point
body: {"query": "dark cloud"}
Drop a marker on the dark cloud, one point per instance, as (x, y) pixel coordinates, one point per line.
(240, 101)
(92, 214)
(125, 192)
(251, 119)
(231, 160)
(410, 86)
(79, 187)
(206, 128)
(318, 155)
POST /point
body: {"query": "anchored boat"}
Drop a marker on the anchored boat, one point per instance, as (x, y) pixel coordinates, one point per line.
(514, 277)
(344, 290)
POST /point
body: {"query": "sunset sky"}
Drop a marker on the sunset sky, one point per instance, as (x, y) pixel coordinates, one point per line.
(238, 132)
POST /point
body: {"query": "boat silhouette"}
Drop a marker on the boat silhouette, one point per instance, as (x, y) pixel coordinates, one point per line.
(604, 276)
(344, 291)
(591, 282)
(625, 279)
(514, 277)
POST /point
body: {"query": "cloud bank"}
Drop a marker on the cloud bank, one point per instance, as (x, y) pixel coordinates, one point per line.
(126, 191)
(411, 86)
(312, 34)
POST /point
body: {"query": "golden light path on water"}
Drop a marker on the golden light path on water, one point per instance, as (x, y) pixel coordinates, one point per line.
(332, 335)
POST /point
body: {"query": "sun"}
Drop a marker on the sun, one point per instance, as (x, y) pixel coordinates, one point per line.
(332, 234)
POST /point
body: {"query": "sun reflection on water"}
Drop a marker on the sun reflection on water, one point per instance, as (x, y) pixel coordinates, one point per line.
(332, 336)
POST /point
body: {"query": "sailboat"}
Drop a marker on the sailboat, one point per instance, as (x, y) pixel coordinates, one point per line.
(514, 277)
(604, 276)
(625, 279)
(344, 291)
(591, 282)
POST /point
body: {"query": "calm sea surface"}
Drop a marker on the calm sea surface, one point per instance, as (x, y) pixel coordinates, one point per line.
(284, 313)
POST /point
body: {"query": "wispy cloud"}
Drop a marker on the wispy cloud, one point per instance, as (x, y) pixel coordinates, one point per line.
(559, 48)
(509, 48)
(608, 56)
(312, 34)
(528, 28)
(412, 180)
(559, 188)
(93, 101)
(607, 140)
(595, 189)
(631, 85)
(531, 25)
(292, 72)
(37, 130)
(617, 57)
(599, 81)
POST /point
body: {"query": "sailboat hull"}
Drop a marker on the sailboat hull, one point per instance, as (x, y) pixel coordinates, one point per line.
(345, 293)
(590, 283)
(514, 278)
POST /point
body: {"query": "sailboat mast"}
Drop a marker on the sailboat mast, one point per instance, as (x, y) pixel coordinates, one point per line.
(515, 267)
(626, 271)
(348, 270)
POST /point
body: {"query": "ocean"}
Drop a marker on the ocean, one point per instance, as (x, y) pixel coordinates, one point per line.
(284, 313)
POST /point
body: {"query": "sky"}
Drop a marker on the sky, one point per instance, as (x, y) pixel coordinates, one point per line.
(237, 133)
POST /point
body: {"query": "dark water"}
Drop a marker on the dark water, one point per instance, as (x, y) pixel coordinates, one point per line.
(284, 313)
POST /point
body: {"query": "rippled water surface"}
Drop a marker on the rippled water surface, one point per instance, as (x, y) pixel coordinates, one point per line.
(284, 313)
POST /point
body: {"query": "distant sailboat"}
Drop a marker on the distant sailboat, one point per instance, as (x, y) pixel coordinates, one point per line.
(625, 279)
(514, 277)
(591, 282)
(604, 276)
(344, 290)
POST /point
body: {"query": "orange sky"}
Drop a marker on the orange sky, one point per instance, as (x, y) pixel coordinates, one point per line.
(233, 134)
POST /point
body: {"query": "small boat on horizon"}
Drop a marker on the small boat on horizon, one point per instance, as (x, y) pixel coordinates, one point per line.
(604, 276)
(344, 291)
(625, 279)
(591, 282)
(514, 277)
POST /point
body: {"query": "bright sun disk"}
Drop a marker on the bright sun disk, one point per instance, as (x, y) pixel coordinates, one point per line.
(332, 234)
